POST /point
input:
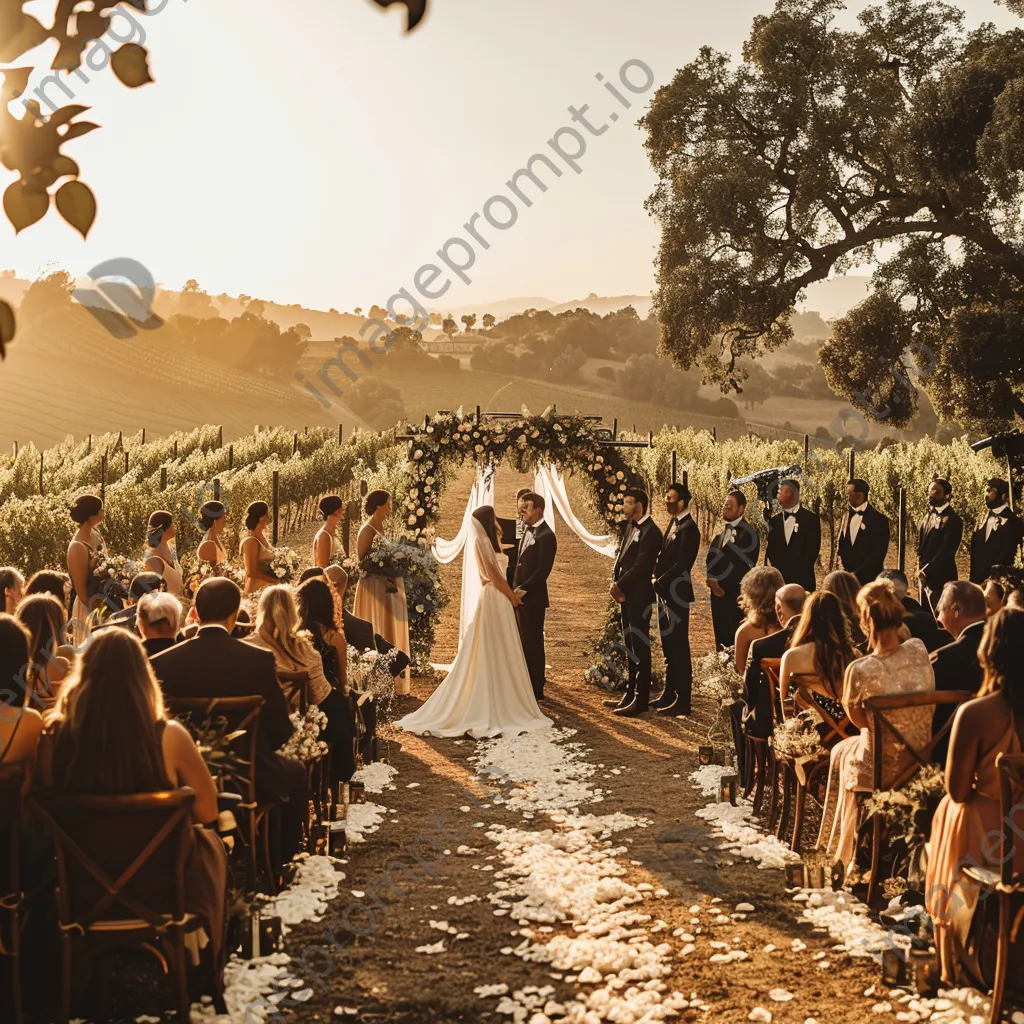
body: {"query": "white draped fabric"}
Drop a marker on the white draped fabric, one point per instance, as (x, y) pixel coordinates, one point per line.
(552, 489)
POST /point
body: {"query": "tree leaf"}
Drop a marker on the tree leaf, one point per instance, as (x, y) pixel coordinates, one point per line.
(131, 65)
(76, 130)
(27, 36)
(64, 166)
(24, 206)
(77, 205)
(6, 327)
(15, 83)
(65, 114)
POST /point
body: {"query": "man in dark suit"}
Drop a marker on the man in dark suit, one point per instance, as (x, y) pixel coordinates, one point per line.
(143, 583)
(939, 539)
(511, 531)
(158, 621)
(864, 535)
(920, 623)
(673, 582)
(732, 554)
(794, 538)
(534, 562)
(997, 538)
(633, 589)
(214, 664)
(757, 694)
(961, 611)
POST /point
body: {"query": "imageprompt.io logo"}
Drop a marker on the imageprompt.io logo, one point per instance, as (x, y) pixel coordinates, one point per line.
(122, 299)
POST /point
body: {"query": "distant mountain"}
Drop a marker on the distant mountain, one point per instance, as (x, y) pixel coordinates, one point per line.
(501, 309)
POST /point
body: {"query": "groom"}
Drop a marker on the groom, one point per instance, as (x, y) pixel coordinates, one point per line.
(534, 559)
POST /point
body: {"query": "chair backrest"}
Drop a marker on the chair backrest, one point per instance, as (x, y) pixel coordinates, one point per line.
(1011, 801)
(837, 728)
(295, 686)
(884, 722)
(12, 779)
(242, 725)
(770, 668)
(118, 857)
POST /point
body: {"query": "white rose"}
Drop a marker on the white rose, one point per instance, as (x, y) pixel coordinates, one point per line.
(430, 479)
(419, 511)
(418, 454)
(420, 609)
(412, 520)
(620, 475)
(478, 448)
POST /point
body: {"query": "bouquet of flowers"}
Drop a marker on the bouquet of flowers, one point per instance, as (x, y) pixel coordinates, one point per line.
(115, 568)
(797, 738)
(606, 655)
(208, 571)
(285, 565)
(305, 744)
(715, 674)
(370, 672)
(384, 559)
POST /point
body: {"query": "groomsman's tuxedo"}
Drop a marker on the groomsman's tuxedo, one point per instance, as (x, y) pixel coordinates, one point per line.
(995, 541)
(634, 567)
(673, 583)
(732, 554)
(534, 561)
(794, 540)
(864, 542)
(938, 541)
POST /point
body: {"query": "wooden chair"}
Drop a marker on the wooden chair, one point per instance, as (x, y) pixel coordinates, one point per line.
(759, 758)
(295, 686)
(120, 880)
(912, 759)
(12, 778)
(242, 715)
(1007, 884)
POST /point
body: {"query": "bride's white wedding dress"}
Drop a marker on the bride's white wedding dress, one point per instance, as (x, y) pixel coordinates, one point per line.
(488, 690)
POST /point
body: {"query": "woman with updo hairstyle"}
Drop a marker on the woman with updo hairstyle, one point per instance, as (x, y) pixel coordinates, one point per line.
(12, 583)
(968, 816)
(380, 598)
(257, 553)
(332, 508)
(890, 668)
(85, 552)
(161, 553)
(213, 519)
(757, 601)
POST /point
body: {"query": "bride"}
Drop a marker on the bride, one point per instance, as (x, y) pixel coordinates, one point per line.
(488, 691)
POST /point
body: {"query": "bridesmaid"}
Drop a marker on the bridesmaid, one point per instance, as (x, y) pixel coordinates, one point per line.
(256, 552)
(324, 543)
(85, 551)
(161, 555)
(212, 518)
(380, 599)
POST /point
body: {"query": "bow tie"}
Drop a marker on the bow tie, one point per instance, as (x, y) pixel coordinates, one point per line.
(789, 515)
(856, 511)
(530, 529)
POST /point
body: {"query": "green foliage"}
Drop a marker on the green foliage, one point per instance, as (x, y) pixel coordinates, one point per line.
(376, 402)
(822, 145)
(646, 378)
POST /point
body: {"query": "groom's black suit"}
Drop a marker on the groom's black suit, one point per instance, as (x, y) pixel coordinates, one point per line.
(535, 557)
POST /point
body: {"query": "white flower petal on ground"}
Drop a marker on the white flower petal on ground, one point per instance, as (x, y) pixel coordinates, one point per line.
(780, 995)
(437, 947)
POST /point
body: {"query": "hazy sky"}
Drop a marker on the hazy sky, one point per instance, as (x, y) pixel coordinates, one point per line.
(310, 151)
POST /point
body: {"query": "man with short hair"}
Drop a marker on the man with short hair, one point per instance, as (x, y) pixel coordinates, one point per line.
(511, 535)
(673, 582)
(731, 555)
(961, 610)
(794, 537)
(864, 535)
(938, 541)
(215, 664)
(158, 619)
(757, 693)
(997, 537)
(917, 620)
(534, 561)
(633, 589)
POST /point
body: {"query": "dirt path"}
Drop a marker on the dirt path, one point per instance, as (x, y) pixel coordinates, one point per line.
(437, 811)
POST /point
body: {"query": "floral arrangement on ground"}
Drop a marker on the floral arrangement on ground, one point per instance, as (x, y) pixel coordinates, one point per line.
(715, 675)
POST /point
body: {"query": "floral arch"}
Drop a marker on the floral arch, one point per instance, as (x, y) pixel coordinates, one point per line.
(575, 444)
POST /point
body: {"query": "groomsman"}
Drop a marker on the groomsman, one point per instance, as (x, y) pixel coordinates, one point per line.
(998, 536)
(634, 591)
(733, 552)
(794, 538)
(939, 539)
(536, 556)
(864, 535)
(674, 585)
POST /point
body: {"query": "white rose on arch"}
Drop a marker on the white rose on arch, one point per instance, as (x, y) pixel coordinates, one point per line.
(418, 454)
(411, 520)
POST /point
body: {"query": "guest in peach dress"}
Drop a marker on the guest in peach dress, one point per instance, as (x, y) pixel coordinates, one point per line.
(380, 599)
(966, 826)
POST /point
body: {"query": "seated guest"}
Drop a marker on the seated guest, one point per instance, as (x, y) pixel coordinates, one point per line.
(1016, 599)
(50, 659)
(845, 586)
(20, 725)
(157, 622)
(278, 631)
(967, 819)
(757, 602)
(142, 583)
(12, 584)
(319, 619)
(243, 625)
(757, 693)
(821, 647)
(961, 610)
(918, 620)
(215, 664)
(890, 668)
(1000, 584)
(109, 736)
(48, 581)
